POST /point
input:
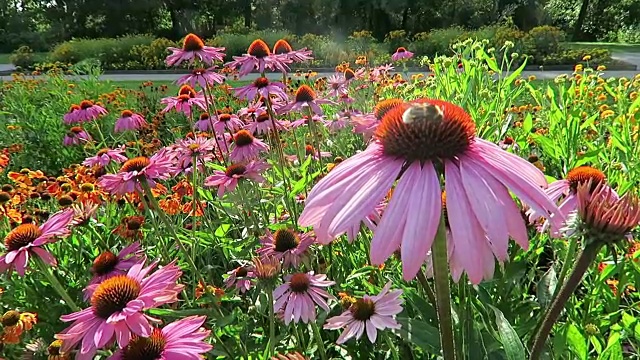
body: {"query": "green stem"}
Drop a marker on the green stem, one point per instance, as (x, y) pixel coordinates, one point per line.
(55, 284)
(391, 345)
(586, 257)
(219, 340)
(443, 293)
(571, 253)
(427, 288)
(272, 324)
(318, 338)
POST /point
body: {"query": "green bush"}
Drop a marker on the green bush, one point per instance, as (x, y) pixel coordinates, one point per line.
(112, 53)
(23, 57)
(576, 56)
(542, 41)
(437, 41)
(152, 56)
(629, 34)
(396, 39)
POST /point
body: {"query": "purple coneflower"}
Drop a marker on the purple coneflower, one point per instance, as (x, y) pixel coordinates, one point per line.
(283, 48)
(305, 97)
(288, 245)
(83, 211)
(240, 278)
(340, 120)
(199, 147)
(263, 124)
(182, 339)
(106, 156)
(202, 77)
(71, 117)
(410, 142)
(245, 147)
(337, 85)
(228, 179)
(230, 122)
(187, 97)
(370, 314)
(567, 190)
(259, 57)
(88, 111)
(116, 311)
(366, 124)
(252, 110)
(157, 167)
(76, 136)
(193, 47)
(28, 239)
(298, 295)
(304, 120)
(107, 265)
(129, 121)
(261, 86)
(401, 54)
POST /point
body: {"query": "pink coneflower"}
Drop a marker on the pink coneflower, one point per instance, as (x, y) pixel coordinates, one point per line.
(263, 87)
(199, 147)
(108, 264)
(298, 295)
(187, 97)
(304, 121)
(227, 180)
(106, 156)
(263, 124)
(240, 278)
(245, 147)
(182, 339)
(88, 111)
(401, 54)
(508, 143)
(76, 136)
(305, 97)
(283, 48)
(252, 110)
(259, 57)
(567, 190)
(366, 124)
(370, 314)
(227, 122)
(84, 211)
(346, 99)
(380, 72)
(158, 167)
(202, 77)
(337, 85)
(193, 47)
(129, 121)
(340, 120)
(286, 244)
(26, 240)
(411, 142)
(71, 117)
(309, 150)
(116, 311)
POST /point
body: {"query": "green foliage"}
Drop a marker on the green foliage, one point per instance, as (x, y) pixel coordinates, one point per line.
(152, 56)
(543, 41)
(396, 39)
(112, 53)
(437, 41)
(23, 57)
(629, 34)
(577, 56)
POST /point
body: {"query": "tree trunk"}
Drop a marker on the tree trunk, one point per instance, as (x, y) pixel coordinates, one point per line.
(246, 12)
(577, 29)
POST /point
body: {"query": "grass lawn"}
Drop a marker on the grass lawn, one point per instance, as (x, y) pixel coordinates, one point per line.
(613, 47)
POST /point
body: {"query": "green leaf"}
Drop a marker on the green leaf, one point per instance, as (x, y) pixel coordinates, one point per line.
(634, 105)
(420, 333)
(510, 340)
(628, 321)
(614, 348)
(547, 287)
(636, 331)
(577, 342)
(527, 124)
(515, 74)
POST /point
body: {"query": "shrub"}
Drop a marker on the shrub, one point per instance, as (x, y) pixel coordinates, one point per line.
(576, 56)
(543, 41)
(152, 56)
(112, 53)
(23, 57)
(629, 34)
(437, 41)
(361, 42)
(396, 39)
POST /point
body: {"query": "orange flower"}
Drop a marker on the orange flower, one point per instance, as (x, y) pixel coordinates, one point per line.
(201, 290)
(171, 205)
(187, 208)
(15, 324)
(130, 227)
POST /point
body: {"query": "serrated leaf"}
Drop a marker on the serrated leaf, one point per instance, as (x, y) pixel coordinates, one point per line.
(547, 287)
(420, 333)
(509, 337)
(577, 342)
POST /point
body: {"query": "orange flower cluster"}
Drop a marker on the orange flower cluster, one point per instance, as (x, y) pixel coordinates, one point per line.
(14, 324)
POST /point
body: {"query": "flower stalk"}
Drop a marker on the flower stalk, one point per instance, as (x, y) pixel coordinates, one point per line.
(56, 285)
(318, 337)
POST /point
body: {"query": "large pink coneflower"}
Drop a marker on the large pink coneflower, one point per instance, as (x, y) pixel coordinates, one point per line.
(401, 54)
(71, 116)
(298, 295)
(193, 47)
(368, 314)
(305, 98)
(416, 143)
(199, 147)
(186, 99)
(160, 166)
(116, 311)
(76, 136)
(263, 87)
(567, 190)
(245, 147)
(240, 278)
(203, 77)
(283, 48)
(259, 57)
(27, 240)
(180, 340)
(88, 111)
(227, 180)
(262, 124)
(289, 245)
(105, 156)
(129, 121)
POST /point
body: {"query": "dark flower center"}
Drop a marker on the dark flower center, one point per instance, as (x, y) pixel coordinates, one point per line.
(184, 98)
(204, 116)
(241, 271)
(4, 197)
(243, 138)
(76, 130)
(192, 43)
(383, 107)
(363, 309)
(65, 200)
(54, 348)
(87, 187)
(85, 104)
(309, 150)
(199, 71)
(285, 239)
(113, 295)
(259, 49)
(282, 46)
(401, 50)
(134, 222)
(135, 164)
(235, 169)
(582, 175)
(508, 140)
(10, 318)
(126, 113)
(349, 74)
(426, 130)
(224, 117)
(7, 188)
(103, 152)
(186, 90)
(74, 107)
(104, 263)
(262, 117)
(22, 235)
(305, 94)
(261, 82)
(299, 283)
(149, 348)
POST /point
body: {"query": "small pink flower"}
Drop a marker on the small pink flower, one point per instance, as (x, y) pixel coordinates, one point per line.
(88, 111)
(199, 147)
(299, 295)
(227, 180)
(288, 245)
(160, 166)
(71, 117)
(107, 265)
(192, 48)
(129, 121)
(240, 278)
(263, 124)
(284, 49)
(76, 136)
(203, 77)
(260, 86)
(370, 314)
(186, 99)
(337, 85)
(245, 147)
(27, 240)
(252, 110)
(401, 54)
(106, 156)
(305, 98)
(259, 57)
(227, 122)
(304, 121)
